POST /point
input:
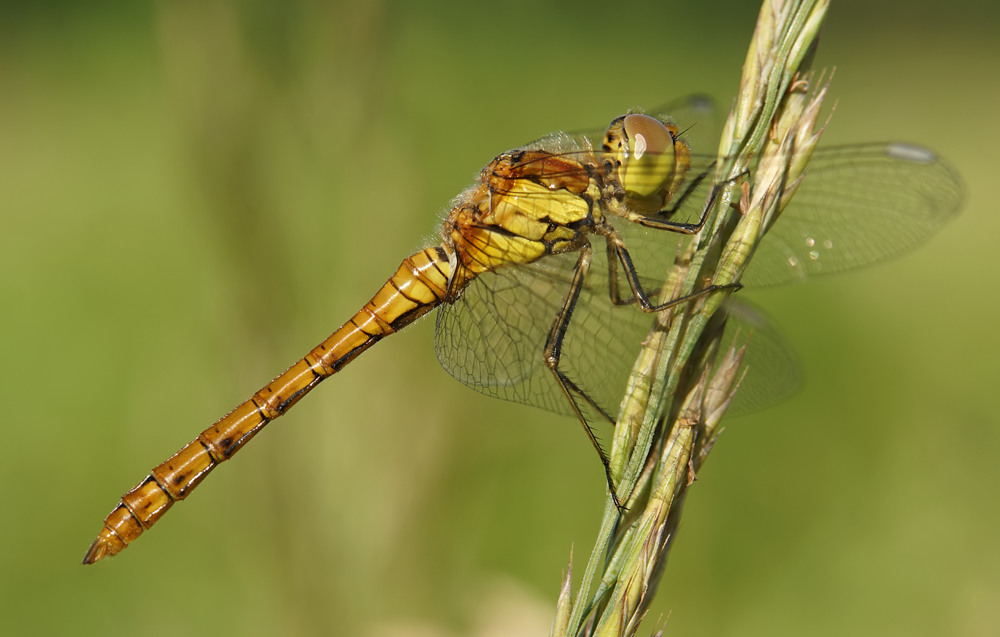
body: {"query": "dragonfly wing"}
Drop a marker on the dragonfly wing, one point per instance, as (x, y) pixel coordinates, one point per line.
(492, 340)
(857, 205)
(772, 369)
(493, 337)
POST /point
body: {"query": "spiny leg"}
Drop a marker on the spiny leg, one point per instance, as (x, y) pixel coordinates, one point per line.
(660, 220)
(613, 289)
(618, 253)
(553, 353)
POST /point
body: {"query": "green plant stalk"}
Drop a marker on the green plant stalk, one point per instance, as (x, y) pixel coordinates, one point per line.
(681, 383)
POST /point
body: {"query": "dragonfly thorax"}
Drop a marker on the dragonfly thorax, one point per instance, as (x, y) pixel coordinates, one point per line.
(646, 160)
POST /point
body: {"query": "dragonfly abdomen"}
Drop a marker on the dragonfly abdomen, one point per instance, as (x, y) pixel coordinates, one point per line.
(419, 285)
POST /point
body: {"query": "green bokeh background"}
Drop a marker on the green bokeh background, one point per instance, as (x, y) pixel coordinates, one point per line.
(193, 194)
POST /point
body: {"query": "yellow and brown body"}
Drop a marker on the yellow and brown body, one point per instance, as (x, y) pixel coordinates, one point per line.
(525, 205)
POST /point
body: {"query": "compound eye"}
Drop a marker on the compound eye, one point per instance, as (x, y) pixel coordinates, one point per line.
(647, 161)
(647, 135)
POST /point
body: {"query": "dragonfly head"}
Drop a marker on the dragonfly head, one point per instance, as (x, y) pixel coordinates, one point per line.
(646, 159)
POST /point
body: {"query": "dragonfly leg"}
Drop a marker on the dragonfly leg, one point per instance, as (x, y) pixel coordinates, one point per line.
(553, 352)
(618, 253)
(661, 220)
(614, 289)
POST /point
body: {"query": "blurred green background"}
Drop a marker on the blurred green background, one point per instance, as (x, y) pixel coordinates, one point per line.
(193, 194)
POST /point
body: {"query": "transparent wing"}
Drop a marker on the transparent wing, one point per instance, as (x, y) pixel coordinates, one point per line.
(773, 371)
(492, 339)
(857, 205)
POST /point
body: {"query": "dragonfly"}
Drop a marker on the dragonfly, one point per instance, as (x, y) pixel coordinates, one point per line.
(529, 310)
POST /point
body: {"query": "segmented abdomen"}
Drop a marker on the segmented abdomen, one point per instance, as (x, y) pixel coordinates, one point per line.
(418, 286)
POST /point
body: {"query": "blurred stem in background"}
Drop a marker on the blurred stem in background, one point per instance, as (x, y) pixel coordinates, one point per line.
(682, 383)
